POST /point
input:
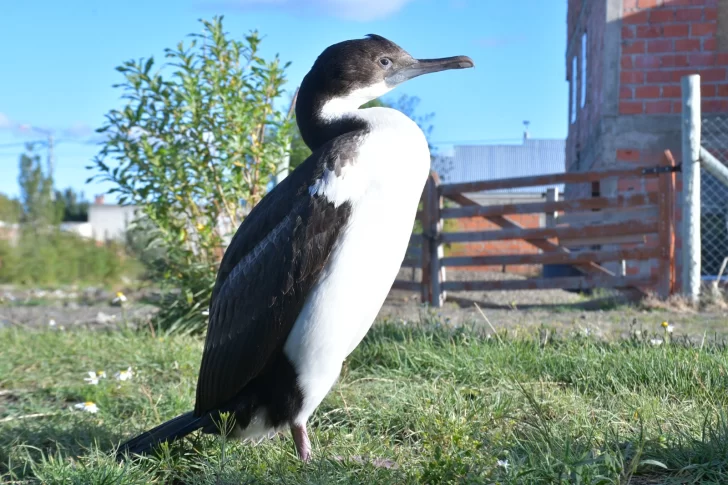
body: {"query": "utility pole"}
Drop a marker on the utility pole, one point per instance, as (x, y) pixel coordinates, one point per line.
(51, 166)
(51, 159)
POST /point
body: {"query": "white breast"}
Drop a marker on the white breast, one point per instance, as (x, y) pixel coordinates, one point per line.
(384, 187)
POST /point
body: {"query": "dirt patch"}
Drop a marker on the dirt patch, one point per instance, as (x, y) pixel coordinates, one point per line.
(606, 314)
(73, 316)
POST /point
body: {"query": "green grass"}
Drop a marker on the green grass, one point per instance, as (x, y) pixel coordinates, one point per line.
(443, 405)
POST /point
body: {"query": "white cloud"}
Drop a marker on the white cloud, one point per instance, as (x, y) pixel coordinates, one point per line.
(5, 122)
(359, 10)
(79, 130)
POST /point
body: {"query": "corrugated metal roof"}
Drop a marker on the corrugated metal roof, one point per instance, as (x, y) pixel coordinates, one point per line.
(489, 162)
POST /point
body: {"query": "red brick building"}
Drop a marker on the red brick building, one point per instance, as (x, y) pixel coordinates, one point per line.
(624, 63)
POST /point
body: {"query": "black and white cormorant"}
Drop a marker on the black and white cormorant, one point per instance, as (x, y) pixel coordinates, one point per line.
(310, 267)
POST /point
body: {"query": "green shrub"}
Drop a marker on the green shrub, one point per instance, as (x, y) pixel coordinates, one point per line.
(59, 258)
(192, 147)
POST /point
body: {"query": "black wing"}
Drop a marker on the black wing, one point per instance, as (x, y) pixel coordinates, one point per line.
(274, 259)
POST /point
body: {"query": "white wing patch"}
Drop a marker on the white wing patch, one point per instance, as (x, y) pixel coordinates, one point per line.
(349, 185)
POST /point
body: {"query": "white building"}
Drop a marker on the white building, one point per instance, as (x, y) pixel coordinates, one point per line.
(109, 221)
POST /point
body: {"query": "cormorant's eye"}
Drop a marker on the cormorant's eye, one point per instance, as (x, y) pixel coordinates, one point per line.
(385, 63)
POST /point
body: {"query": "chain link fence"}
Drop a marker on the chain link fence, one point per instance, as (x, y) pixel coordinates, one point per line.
(714, 198)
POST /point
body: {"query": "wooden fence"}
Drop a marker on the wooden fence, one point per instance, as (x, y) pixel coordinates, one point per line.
(619, 226)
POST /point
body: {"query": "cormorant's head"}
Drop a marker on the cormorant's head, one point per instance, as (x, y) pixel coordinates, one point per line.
(353, 72)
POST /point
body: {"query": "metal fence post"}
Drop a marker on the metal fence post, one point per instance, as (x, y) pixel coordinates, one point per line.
(690, 232)
(436, 225)
(427, 241)
(713, 165)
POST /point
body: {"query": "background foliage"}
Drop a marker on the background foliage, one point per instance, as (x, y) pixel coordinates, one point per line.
(43, 254)
(195, 148)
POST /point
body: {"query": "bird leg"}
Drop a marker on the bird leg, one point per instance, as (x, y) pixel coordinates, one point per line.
(300, 438)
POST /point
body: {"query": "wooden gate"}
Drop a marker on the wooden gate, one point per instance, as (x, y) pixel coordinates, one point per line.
(625, 227)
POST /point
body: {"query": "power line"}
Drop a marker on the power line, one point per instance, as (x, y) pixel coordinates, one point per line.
(66, 156)
(45, 142)
(21, 144)
(92, 141)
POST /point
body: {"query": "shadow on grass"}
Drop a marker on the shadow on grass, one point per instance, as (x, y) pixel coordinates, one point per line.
(605, 303)
(33, 439)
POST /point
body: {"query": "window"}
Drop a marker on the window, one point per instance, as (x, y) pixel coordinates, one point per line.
(583, 69)
(574, 90)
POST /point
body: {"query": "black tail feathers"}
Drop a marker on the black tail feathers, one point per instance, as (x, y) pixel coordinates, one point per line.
(170, 431)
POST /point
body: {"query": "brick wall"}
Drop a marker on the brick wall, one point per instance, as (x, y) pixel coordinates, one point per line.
(662, 41)
(495, 247)
(633, 106)
(585, 16)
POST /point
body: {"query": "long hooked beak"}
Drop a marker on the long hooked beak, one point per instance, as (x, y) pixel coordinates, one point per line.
(426, 66)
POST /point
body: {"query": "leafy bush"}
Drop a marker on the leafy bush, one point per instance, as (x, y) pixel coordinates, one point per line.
(194, 148)
(10, 209)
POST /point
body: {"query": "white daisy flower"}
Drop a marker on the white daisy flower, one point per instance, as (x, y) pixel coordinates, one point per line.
(93, 377)
(52, 322)
(205, 313)
(670, 328)
(503, 464)
(656, 341)
(123, 375)
(88, 406)
(120, 298)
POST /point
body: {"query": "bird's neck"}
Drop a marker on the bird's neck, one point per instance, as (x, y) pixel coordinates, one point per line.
(321, 118)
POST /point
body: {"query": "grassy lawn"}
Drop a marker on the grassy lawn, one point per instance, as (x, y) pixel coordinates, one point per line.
(415, 404)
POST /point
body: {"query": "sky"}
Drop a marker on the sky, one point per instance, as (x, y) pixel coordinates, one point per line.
(58, 63)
